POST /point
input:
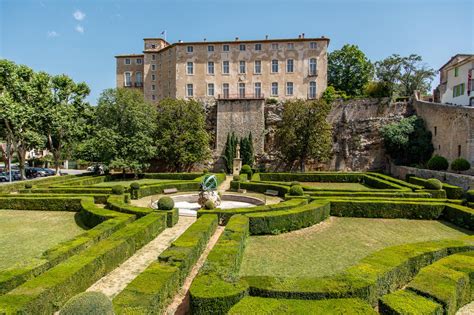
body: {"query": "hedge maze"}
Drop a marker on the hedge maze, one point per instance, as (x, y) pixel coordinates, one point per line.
(432, 277)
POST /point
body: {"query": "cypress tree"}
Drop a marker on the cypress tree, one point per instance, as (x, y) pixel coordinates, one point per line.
(250, 149)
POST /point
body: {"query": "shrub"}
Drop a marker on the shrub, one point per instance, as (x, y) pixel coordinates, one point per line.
(165, 203)
(438, 163)
(433, 183)
(377, 89)
(294, 183)
(460, 165)
(117, 190)
(209, 205)
(205, 171)
(236, 178)
(88, 303)
(28, 185)
(135, 186)
(246, 169)
(296, 190)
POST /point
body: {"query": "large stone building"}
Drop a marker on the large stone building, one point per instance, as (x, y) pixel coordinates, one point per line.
(239, 69)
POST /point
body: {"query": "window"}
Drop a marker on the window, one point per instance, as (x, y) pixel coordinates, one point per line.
(290, 65)
(459, 150)
(312, 66)
(190, 49)
(153, 67)
(456, 71)
(138, 79)
(258, 67)
(458, 90)
(225, 90)
(153, 57)
(153, 87)
(313, 45)
(312, 90)
(153, 46)
(242, 47)
(291, 46)
(274, 88)
(153, 77)
(242, 90)
(138, 61)
(189, 90)
(275, 46)
(225, 47)
(210, 67)
(435, 131)
(127, 79)
(289, 88)
(258, 46)
(241, 66)
(210, 48)
(127, 61)
(210, 89)
(274, 66)
(153, 97)
(225, 67)
(258, 89)
(190, 68)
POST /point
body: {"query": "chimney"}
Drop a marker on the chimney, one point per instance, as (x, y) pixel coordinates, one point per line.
(237, 38)
(302, 35)
(266, 37)
(299, 36)
(205, 39)
(323, 36)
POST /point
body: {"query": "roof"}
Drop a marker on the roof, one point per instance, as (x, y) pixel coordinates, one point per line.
(156, 38)
(246, 41)
(129, 55)
(453, 58)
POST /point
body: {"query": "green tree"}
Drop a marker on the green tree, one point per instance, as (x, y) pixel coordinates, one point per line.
(181, 137)
(125, 127)
(304, 132)
(408, 142)
(349, 70)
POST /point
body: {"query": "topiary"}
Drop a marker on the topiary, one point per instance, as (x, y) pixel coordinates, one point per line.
(166, 203)
(296, 190)
(460, 165)
(294, 183)
(438, 163)
(135, 186)
(28, 185)
(88, 303)
(205, 171)
(236, 178)
(433, 183)
(117, 189)
(246, 169)
(209, 205)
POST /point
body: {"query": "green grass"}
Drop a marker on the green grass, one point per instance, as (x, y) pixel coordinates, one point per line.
(336, 186)
(25, 235)
(331, 247)
(126, 183)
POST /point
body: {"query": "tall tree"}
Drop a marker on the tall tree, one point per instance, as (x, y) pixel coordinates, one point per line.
(349, 70)
(304, 132)
(181, 137)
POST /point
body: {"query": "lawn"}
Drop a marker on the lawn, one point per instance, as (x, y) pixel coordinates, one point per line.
(25, 235)
(336, 186)
(334, 245)
(126, 183)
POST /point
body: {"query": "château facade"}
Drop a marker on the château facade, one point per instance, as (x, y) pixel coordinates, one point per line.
(223, 70)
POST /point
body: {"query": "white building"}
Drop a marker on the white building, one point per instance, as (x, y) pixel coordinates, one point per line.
(457, 81)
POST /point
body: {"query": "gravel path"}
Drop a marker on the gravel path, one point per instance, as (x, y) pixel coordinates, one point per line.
(114, 282)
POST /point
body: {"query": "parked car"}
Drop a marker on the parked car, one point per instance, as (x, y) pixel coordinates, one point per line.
(33, 172)
(49, 172)
(4, 177)
(16, 175)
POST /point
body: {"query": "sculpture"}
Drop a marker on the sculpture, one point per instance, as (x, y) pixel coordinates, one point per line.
(208, 191)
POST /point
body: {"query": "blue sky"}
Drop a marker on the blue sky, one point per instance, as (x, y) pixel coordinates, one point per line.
(81, 37)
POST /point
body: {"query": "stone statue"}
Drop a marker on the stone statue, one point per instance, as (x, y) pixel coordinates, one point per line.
(238, 151)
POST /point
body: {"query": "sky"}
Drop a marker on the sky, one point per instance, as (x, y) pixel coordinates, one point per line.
(81, 37)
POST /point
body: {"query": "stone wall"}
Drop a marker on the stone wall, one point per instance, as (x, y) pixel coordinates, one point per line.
(461, 180)
(451, 126)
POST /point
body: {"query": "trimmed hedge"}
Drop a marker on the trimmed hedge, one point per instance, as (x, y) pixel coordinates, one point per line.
(376, 194)
(459, 215)
(435, 193)
(88, 303)
(47, 292)
(176, 176)
(69, 190)
(257, 305)
(117, 203)
(217, 286)
(335, 177)
(453, 192)
(375, 182)
(156, 189)
(395, 181)
(275, 222)
(16, 186)
(434, 184)
(261, 187)
(154, 287)
(172, 217)
(41, 203)
(408, 302)
(91, 215)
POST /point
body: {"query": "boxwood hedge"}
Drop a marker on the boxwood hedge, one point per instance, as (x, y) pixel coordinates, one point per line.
(408, 302)
(261, 187)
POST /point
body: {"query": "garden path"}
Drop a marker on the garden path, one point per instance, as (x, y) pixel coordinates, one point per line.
(225, 185)
(114, 282)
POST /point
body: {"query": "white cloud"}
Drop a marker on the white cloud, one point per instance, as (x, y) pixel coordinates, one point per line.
(79, 29)
(53, 34)
(79, 15)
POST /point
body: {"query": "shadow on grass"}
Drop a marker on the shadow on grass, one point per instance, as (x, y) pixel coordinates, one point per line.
(457, 228)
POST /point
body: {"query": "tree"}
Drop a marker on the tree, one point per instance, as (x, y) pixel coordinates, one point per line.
(125, 127)
(408, 142)
(181, 137)
(349, 70)
(304, 132)
(404, 75)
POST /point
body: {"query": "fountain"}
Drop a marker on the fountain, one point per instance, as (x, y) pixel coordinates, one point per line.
(209, 192)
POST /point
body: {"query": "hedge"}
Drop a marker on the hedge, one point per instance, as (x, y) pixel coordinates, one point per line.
(13, 277)
(408, 302)
(91, 215)
(87, 180)
(417, 181)
(98, 198)
(335, 177)
(117, 203)
(459, 215)
(176, 176)
(275, 222)
(69, 190)
(154, 287)
(158, 188)
(41, 203)
(47, 292)
(257, 305)
(377, 194)
(172, 217)
(439, 194)
(396, 181)
(11, 187)
(453, 192)
(260, 187)
(375, 182)
(374, 276)
(226, 214)
(217, 286)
